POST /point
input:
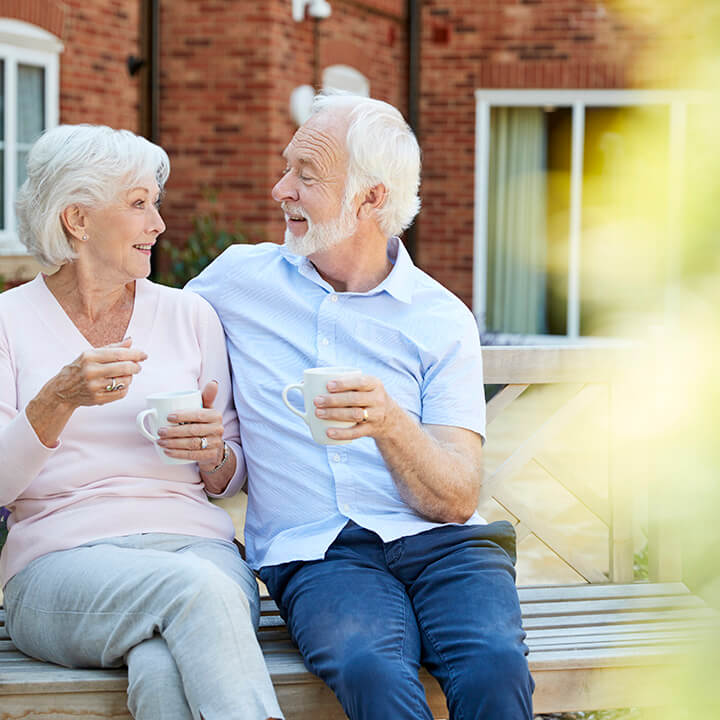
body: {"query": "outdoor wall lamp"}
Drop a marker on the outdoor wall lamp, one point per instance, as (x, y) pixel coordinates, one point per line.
(319, 9)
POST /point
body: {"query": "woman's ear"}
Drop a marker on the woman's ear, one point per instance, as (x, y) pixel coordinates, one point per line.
(74, 221)
(373, 200)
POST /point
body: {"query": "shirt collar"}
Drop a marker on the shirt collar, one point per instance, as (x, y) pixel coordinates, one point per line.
(399, 283)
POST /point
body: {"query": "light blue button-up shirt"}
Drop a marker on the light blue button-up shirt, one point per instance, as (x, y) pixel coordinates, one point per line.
(281, 317)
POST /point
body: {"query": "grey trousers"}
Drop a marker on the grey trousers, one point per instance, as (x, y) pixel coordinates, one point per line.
(180, 611)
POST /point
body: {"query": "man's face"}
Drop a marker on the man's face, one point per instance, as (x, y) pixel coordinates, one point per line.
(312, 189)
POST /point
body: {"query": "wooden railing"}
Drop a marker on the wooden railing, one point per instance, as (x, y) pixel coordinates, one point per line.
(593, 405)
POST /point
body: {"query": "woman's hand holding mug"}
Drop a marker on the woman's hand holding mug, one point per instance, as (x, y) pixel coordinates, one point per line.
(196, 435)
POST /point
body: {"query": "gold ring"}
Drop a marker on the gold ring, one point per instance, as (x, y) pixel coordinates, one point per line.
(366, 417)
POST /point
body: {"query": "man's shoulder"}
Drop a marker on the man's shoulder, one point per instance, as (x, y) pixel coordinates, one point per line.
(234, 269)
(244, 253)
(435, 301)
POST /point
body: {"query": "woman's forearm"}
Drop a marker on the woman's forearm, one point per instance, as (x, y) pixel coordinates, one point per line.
(48, 415)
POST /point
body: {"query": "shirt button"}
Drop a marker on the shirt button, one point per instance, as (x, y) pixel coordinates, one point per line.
(336, 458)
(346, 508)
(325, 341)
(333, 298)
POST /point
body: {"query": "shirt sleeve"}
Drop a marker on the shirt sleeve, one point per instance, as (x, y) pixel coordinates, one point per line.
(215, 366)
(23, 454)
(453, 392)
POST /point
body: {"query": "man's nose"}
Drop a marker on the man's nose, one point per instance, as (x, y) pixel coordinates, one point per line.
(285, 188)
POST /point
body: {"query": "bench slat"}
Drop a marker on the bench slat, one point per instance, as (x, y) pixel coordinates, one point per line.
(589, 646)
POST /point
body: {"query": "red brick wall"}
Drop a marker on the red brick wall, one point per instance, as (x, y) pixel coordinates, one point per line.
(471, 44)
(227, 71)
(97, 35)
(95, 85)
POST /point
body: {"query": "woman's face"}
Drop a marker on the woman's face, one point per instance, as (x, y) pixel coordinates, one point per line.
(121, 235)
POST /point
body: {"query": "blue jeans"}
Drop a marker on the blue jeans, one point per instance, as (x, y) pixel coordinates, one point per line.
(370, 613)
(180, 611)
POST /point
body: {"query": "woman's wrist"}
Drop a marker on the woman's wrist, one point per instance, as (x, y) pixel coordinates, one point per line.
(216, 481)
(48, 414)
(223, 461)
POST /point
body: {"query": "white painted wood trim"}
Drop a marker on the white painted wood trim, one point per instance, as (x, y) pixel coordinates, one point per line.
(605, 98)
(25, 35)
(576, 183)
(480, 248)
(12, 55)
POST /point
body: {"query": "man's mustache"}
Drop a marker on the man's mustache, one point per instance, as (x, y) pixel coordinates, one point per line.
(293, 211)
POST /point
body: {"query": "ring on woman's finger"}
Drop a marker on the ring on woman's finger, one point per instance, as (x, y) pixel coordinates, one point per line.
(203, 443)
(365, 416)
(111, 386)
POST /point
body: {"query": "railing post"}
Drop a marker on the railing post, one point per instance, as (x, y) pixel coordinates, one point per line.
(620, 484)
(664, 540)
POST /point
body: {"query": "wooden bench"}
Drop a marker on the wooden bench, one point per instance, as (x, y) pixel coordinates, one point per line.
(591, 646)
(603, 642)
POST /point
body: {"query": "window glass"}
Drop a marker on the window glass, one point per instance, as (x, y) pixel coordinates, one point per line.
(528, 199)
(30, 112)
(624, 207)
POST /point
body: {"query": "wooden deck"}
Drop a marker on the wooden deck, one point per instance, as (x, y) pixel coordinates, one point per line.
(591, 646)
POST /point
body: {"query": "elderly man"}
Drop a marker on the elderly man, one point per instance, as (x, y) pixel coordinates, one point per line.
(372, 550)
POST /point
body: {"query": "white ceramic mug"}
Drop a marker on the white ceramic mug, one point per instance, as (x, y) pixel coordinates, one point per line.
(160, 406)
(314, 383)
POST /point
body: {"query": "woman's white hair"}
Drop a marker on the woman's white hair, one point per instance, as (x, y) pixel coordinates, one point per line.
(382, 149)
(87, 165)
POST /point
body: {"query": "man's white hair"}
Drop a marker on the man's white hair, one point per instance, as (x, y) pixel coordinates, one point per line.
(382, 149)
(87, 165)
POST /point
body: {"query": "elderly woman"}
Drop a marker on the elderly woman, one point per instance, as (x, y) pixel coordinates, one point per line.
(114, 556)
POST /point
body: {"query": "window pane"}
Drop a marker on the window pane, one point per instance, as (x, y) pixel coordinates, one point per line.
(2, 101)
(624, 213)
(527, 220)
(30, 112)
(31, 103)
(21, 166)
(2, 189)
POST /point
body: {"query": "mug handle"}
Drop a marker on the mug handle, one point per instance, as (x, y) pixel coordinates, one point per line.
(140, 420)
(294, 386)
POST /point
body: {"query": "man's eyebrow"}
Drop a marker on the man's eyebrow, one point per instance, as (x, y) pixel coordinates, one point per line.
(302, 161)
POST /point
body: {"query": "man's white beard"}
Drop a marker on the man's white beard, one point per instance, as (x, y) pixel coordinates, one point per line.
(323, 236)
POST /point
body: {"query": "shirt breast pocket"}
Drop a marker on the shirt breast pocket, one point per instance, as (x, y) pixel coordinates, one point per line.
(388, 354)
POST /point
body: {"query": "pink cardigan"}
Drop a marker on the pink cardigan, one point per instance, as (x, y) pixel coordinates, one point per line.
(104, 479)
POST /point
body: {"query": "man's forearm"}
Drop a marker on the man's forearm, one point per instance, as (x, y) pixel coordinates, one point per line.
(435, 479)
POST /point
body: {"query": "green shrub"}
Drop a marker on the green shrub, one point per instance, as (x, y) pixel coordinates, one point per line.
(640, 564)
(204, 244)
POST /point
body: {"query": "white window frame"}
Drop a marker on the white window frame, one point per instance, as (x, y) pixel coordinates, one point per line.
(23, 43)
(578, 101)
